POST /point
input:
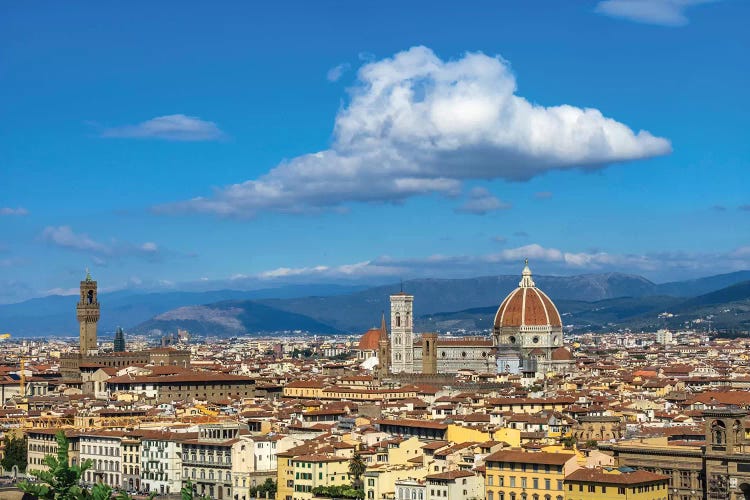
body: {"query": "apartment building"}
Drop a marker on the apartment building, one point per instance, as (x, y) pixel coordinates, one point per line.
(104, 449)
(520, 475)
(161, 462)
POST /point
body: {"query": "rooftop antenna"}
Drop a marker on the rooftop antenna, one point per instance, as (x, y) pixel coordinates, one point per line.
(402, 285)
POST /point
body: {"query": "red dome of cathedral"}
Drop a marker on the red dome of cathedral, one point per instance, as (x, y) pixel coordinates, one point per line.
(369, 341)
(527, 306)
(562, 354)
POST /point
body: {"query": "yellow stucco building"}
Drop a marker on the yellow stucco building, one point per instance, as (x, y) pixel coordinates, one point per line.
(520, 475)
(616, 484)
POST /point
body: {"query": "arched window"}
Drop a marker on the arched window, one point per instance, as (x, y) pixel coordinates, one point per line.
(719, 432)
(398, 319)
(90, 297)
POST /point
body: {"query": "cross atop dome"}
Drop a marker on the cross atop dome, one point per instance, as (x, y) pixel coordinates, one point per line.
(526, 281)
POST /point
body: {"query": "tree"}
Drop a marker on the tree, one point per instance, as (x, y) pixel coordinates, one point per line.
(339, 491)
(357, 467)
(15, 453)
(267, 488)
(568, 441)
(591, 443)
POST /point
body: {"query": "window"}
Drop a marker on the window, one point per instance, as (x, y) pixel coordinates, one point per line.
(547, 484)
(512, 481)
(592, 488)
(620, 491)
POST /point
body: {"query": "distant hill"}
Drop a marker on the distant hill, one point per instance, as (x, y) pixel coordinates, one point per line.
(600, 315)
(359, 311)
(700, 286)
(231, 317)
(55, 314)
(729, 309)
(592, 301)
(596, 301)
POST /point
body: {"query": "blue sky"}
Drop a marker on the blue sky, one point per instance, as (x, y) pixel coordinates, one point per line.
(181, 144)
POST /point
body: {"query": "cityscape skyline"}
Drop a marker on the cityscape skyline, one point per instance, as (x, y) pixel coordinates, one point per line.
(257, 146)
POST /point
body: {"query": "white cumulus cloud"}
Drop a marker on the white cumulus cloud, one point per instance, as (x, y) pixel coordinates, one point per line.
(171, 127)
(550, 259)
(416, 124)
(660, 12)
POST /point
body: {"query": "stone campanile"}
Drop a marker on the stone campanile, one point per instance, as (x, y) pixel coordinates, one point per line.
(402, 335)
(87, 311)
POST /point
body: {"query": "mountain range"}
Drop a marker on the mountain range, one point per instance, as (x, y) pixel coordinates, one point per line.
(598, 301)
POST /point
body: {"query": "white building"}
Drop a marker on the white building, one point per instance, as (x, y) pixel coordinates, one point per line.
(104, 449)
(663, 337)
(407, 489)
(161, 463)
(454, 485)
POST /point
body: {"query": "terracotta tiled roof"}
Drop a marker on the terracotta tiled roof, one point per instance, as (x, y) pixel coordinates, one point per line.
(625, 478)
(450, 475)
(561, 354)
(529, 458)
(370, 340)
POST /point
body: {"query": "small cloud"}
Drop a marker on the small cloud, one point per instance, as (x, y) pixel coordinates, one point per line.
(171, 127)
(499, 239)
(13, 211)
(745, 208)
(65, 237)
(98, 261)
(659, 12)
(366, 268)
(366, 56)
(719, 208)
(521, 234)
(543, 195)
(481, 202)
(61, 291)
(335, 73)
